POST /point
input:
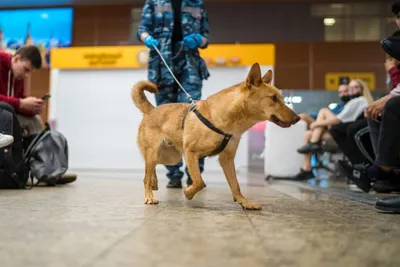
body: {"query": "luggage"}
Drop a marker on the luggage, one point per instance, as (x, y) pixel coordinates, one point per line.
(47, 156)
(281, 159)
(13, 170)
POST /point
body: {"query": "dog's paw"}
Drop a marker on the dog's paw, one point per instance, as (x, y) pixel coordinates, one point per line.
(251, 206)
(150, 201)
(189, 192)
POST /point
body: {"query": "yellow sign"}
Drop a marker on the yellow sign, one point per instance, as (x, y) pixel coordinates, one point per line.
(129, 56)
(333, 79)
(95, 57)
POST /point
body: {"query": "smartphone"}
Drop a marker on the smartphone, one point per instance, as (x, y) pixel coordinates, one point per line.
(46, 97)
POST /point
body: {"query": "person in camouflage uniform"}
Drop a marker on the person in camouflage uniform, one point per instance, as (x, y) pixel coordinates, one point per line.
(178, 28)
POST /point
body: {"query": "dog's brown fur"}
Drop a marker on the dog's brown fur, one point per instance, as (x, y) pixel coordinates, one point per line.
(234, 110)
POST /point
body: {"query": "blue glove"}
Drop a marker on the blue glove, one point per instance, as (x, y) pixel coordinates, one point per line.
(149, 41)
(193, 40)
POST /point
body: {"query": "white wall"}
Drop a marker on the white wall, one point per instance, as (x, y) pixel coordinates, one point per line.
(93, 109)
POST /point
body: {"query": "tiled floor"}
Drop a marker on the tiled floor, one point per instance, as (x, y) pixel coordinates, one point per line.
(101, 221)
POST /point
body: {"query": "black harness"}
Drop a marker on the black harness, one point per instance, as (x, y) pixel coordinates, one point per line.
(207, 123)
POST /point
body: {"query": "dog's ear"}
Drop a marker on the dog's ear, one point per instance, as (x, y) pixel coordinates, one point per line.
(267, 78)
(254, 76)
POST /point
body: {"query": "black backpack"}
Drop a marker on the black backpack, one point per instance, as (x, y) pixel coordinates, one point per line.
(14, 171)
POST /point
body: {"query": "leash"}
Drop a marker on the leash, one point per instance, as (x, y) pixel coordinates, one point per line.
(192, 107)
(176, 80)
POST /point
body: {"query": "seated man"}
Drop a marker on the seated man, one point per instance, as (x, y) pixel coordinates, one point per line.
(391, 46)
(360, 98)
(13, 70)
(343, 94)
(384, 123)
(344, 133)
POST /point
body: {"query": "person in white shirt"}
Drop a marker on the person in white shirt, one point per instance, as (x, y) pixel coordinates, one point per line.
(361, 98)
(6, 140)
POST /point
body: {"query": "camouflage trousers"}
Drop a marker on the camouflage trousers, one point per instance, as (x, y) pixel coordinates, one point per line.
(173, 94)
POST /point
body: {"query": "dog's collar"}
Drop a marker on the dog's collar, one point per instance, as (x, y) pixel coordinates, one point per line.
(227, 137)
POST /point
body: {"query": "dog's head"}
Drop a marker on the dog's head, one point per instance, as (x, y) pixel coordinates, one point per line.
(264, 101)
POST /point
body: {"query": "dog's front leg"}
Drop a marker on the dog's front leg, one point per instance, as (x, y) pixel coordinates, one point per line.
(192, 162)
(226, 160)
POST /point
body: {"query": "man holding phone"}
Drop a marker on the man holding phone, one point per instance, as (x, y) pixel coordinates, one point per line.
(13, 70)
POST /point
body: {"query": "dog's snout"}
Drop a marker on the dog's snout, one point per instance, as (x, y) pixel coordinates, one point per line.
(296, 119)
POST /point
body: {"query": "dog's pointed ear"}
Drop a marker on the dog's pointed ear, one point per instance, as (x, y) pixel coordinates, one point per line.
(254, 76)
(267, 78)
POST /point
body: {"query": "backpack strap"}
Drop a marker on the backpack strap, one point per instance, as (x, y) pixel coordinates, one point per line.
(35, 142)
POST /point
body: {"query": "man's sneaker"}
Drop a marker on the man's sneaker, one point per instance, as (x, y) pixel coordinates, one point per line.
(6, 140)
(387, 182)
(303, 175)
(391, 204)
(357, 174)
(309, 148)
(175, 183)
(67, 178)
(387, 186)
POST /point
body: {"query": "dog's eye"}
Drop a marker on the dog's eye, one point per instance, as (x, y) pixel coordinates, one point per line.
(274, 98)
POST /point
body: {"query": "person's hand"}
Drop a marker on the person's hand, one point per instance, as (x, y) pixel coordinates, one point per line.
(149, 41)
(390, 63)
(313, 125)
(375, 109)
(192, 41)
(32, 104)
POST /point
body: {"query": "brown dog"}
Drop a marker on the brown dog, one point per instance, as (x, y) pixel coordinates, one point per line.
(234, 110)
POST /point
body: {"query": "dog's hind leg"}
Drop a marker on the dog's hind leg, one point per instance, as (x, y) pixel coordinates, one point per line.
(226, 160)
(192, 162)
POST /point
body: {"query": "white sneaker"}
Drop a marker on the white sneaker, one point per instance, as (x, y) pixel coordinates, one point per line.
(6, 140)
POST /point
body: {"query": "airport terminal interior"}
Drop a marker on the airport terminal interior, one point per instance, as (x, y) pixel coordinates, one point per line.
(290, 146)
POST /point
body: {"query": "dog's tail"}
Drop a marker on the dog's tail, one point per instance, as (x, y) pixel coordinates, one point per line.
(140, 99)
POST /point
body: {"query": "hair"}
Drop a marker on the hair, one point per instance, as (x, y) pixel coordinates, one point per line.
(366, 93)
(395, 8)
(31, 53)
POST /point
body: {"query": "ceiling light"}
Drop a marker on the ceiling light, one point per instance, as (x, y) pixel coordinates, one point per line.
(329, 21)
(337, 5)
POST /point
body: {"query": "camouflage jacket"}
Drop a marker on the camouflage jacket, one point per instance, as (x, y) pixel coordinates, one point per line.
(158, 21)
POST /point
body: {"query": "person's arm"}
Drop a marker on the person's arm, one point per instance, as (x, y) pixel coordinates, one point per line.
(19, 89)
(146, 24)
(204, 28)
(13, 101)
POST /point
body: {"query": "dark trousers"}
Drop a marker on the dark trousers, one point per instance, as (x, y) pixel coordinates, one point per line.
(385, 134)
(173, 94)
(343, 134)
